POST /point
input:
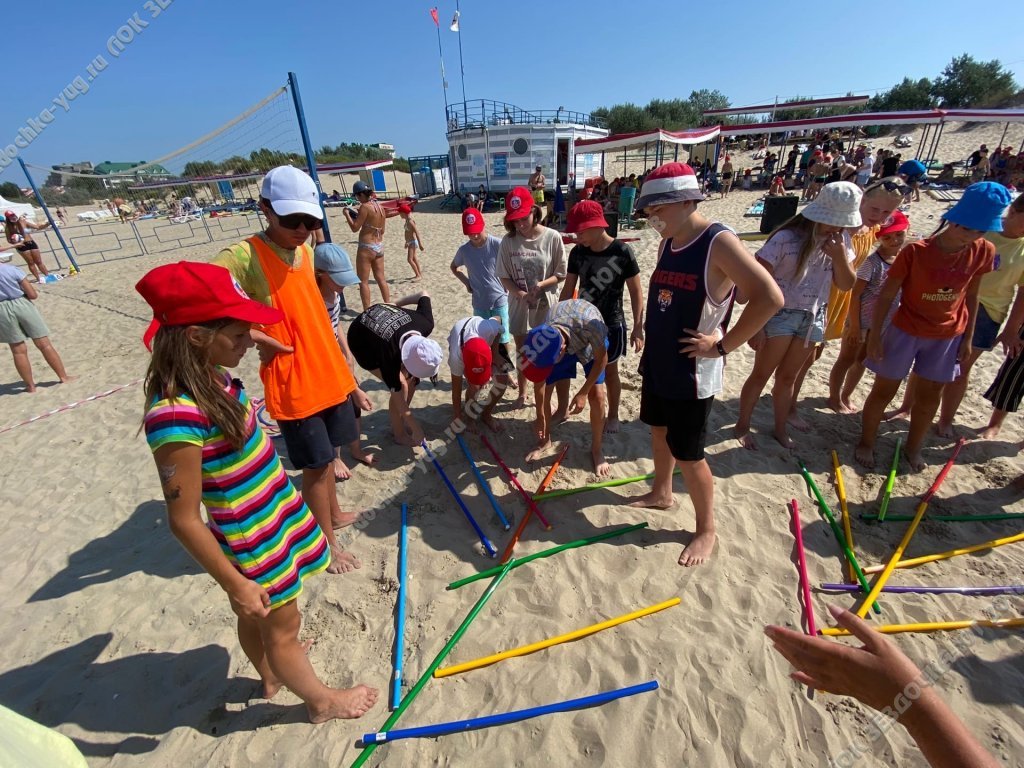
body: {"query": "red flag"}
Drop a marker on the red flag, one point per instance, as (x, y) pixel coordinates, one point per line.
(433, 15)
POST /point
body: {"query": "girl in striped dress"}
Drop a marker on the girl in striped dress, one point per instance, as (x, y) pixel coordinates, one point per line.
(260, 542)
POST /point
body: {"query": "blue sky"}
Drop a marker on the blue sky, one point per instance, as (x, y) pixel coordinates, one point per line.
(369, 71)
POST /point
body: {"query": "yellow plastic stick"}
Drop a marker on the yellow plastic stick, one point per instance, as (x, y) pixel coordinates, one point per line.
(876, 588)
(528, 649)
(932, 626)
(851, 575)
(914, 561)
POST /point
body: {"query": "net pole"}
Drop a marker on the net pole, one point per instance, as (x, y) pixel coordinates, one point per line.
(49, 216)
(307, 145)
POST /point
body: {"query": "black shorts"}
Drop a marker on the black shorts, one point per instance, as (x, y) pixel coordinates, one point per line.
(685, 420)
(616, 342)
(27, 246)
(311, 441)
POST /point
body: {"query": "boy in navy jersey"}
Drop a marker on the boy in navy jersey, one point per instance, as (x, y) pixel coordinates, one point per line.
(690, 294)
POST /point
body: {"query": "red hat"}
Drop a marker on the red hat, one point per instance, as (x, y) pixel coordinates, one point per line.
(403, 208)
(669, 183)
(192, 292)
(10, 215)
(476, 361)
(586, 193)
(897, 222)
(585, 215)
(472, 222)
(518, 204)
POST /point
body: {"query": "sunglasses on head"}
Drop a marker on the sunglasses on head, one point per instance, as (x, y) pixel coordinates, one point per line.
(296, 220)
(892, 186)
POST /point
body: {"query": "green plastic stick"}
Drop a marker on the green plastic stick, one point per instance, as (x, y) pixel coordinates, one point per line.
(827, 514)
(547, 553)
(948, 518)
(889, 482)
(595, 486)
(438, 660)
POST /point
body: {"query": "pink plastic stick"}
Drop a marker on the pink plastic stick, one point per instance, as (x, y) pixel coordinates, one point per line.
(805, 583)
(530, 504)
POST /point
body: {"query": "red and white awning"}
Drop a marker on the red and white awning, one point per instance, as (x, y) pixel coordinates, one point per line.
(623, 140)
(838, 121)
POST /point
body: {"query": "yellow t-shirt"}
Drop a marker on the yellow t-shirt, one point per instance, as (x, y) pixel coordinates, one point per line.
(839, 301)
(241, 261)
(995, 293)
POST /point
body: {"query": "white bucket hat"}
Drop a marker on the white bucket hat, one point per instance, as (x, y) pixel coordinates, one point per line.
(421, 356)
(838, 205)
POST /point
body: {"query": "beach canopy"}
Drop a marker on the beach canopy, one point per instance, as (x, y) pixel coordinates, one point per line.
(844, 101)
(921, 117)
(639, 139)
(22, 209)
(984, 115)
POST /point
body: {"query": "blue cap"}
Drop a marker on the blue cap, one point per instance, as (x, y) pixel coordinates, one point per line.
(981, 207)
(540, 351)
(333, 260)
(361, 187)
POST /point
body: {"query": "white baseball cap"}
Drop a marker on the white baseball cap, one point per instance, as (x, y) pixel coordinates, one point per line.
(421, 356)
(290, 190)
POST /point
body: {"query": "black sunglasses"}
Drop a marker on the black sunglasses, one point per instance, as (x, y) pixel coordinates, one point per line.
(890, 186)
(296, 220)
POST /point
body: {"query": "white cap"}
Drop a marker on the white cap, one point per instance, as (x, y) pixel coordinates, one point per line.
(838, 205)
(421, 356)
(290, 190)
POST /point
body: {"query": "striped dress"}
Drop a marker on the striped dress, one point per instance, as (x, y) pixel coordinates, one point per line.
(260, 520)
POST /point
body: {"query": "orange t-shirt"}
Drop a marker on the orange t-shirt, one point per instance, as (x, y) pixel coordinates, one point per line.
(933, 302)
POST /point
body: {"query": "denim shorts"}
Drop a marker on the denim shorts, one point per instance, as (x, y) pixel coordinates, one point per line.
(797, 322)
(985, 331)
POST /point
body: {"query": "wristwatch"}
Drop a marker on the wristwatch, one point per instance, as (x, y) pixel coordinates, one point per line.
(721, 348)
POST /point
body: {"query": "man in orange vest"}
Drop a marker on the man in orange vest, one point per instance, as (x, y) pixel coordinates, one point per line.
(307, 384)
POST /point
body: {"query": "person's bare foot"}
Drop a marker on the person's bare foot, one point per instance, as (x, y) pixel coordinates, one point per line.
(538, 453)
(611, 426)
(745, 439)
(989, 433)
(342, 561)
(559, 417)
(271, 685)
(539, 431)
(784, 439)
(698, 551)
(797, 422)
(837, 405)
(406, 441)
(651, 500)
(364, 458)
(67, 379)
(899, 413)
(344, 519)
(30, 387)
(865, 455)
(1018, 483)
(492, 423)
(343, 704)
(341, 471)
(944, 430)
(519, 402)
(601, 466)
(915, 460)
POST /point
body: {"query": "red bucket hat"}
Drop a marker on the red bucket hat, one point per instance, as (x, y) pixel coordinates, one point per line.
(476, 361)
(472, 222)
(585, 215)
(191, 292)
(518, 204)
(897, 222)
(403, 208)
(669, 183)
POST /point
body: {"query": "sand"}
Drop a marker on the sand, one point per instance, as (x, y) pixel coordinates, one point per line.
(113, 636)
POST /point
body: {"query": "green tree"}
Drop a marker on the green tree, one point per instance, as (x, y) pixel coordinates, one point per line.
(703, 100)
(907, 95)
(966, 82)
(672, 114)
(629, 118)
(10, 191)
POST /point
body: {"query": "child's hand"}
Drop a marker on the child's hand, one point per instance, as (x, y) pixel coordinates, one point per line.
(637, 338)
(833, 246)
(756, 341)
(1012, 343)
(577, 404)
(362, 400)
(249, 600)
(965, 349)
(698, 344)
(875, 349)
(876, 673)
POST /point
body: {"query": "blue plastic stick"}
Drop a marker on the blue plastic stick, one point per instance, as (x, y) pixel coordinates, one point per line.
(396, 690)
(458, 726)
(491, 551)
(483, 483)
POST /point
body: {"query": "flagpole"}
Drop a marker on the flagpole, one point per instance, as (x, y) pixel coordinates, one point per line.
(440, 56)
(462, 68)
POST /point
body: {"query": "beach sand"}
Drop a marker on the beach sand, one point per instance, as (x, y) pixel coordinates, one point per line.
(113, 636)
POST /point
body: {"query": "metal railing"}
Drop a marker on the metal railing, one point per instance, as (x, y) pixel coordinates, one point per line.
(479, 113)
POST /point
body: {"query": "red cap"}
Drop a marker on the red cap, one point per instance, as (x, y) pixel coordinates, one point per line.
(586, 193)
(472, 222)
(403, 208)
(191, 292)
(518, 204)
(585, 215)
(897, 222)
(476, 361)
(10, 216)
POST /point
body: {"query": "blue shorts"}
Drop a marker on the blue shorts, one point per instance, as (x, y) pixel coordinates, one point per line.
(931, 359)
(499, 312)
(985, 331)
(566, 369)
(797, 322)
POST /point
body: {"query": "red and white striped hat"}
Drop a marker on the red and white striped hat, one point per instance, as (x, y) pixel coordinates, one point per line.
(669, 183)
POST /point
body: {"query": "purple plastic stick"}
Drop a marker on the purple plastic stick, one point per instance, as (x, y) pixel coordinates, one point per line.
(1005, 590)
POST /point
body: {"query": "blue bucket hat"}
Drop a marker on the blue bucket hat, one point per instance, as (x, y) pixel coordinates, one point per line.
(333, 260)
(981, 207)
(540, 351)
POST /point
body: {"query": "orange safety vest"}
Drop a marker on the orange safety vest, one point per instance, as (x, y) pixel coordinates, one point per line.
(315, 376)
